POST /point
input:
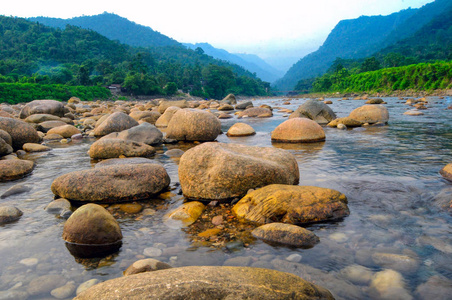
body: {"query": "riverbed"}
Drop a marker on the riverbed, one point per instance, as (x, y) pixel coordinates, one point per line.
(390, 175)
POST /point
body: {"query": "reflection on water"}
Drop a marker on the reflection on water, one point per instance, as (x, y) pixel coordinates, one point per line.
(389, 174)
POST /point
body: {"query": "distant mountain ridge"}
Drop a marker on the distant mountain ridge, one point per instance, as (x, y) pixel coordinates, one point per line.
(251, 62)
(361, 37)
(114, 27)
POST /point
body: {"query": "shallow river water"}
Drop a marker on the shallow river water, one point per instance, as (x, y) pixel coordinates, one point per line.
(388, 173)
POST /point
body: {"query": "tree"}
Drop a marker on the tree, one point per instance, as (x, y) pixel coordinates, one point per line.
(217, 81)
(170, 89)
(370, 64)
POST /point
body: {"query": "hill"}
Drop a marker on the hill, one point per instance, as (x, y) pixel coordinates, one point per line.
(361, 37)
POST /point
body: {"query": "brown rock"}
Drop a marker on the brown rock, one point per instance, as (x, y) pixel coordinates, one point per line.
(51, 107)
(229, 99)
(370, 113)
(164, 119)
(9, 214)
(298, 130)
(254, 112)
(165, 104)
(193, 125)
(145, 265)
(125, 161)
(39, 118)
(144, 133)
(222, 171)
(375, 101)
(114, 148)
(13, 169)
(111, 184)
(225, 107)
(186, 214)
(446, 172)
(5, 148)
(147, 116)
(116, 122)
(291, 204)
(240, 129)
(287, 234)
(31, 147)
(347, 121)
(211, 282)
(20, 132)
(65, 131)
(131, 208)
(6, 137)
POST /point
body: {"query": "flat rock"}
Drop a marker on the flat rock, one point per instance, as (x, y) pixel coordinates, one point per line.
(291, 204)
(39, 118)
(110, 184)
(208, 283)
(286, 234)
(255, 112)
(47, 125)
(45, 284)
(347, 121)
(125, 161)
(218, 171)
(185, 215)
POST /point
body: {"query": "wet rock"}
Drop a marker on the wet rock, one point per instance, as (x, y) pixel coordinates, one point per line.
(125, 161)
(19, 131)
(58, 206)
(164, 119)
(294, 257)
(65, 131)
(92, 225)
(116, 122)
(397, 262)
(347, 121)
(388, 284)
(152, 252)
(255, 112)
(29, 262)
(86, 285)
(14, 295)
(9, 214)
(370, 113)
(131, 208)
(143, 133)
(145, 265)
(357, 274)
(244, 105)
(114, 148)
(6, 137)
(217, 220)
(32, 147)
(185, 215)
(436, 287)
(53, 138)
(48, 125)
(64, 291)
(44, 284)
(229, 99)
(112, 183)
(235, 245)
(147, 116)
(314, 110)
(12, 169)
(166, 104)
(240, 129)
(298, 130)
(50, 107)
(208, 283)
(174, 153)
(209, 232)
(193, 125)
(292, 204)
(240, 261)
(5, 148)
(286, 234)
(219, 171)
(446, 172)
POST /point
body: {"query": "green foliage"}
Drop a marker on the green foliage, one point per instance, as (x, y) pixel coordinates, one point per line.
(370, 64)
(170, 89)
(23, 92)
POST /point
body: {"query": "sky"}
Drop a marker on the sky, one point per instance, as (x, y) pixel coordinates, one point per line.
(281, 28)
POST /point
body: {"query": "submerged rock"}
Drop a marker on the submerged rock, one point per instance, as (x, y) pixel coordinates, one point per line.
(16, 189)
(185, 215)
(218, 171)
(286, 234)
(291, 204)
(298, 130)
(145, 265)
(389, 284)
(208, 283)
(111, 184)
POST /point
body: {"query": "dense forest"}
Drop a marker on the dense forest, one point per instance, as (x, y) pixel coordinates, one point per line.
(33, 53)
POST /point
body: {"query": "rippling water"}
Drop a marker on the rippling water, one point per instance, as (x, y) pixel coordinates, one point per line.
(389, 174)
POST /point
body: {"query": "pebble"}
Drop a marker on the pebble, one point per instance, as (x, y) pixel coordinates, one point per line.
(234, 245)
(294, 257)
(152, 252)
(338, 237)
(86, 285)
(217, 220)
(29, 262)
(131, 208)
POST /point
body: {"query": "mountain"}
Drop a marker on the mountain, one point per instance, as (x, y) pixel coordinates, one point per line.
(251, 62)
(114, 27)
(359, 38)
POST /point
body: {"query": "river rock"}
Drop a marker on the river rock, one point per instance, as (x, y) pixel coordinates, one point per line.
(144, 133)
(39, 118)
(9, 214)
(229, 99)
(193, 125)
(125, 161)
(240, 129)
(347, 121)
(357, 274)
(224, 107)
(208, 282)
(298, 130)
(397, 262)
(446, 172)
(244, 105)
(375, 101)
(185, 215)
(44, 284)
(174, 153)
(12, 169)
(291, 204)
(116, 122)
(436, 287)
(58, 206)
(51, 107)
(370, 113)
(64, 291)
(6, 137)
(164, 119)
(286, 234)
(388, 284)
(146, 116)
(314, 110)
(65, 131)
(20, 132)
(145, 265)
(165, 104)
(32, 147)
(114, 148)
(5, 148)
(254, 112)
(112, 183)
(413, 112)
(86, 285)
(218, 171)
(47, 125)
(16, 189)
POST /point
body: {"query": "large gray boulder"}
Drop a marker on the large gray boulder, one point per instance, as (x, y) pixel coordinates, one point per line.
(190, 283)
(314, 110)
